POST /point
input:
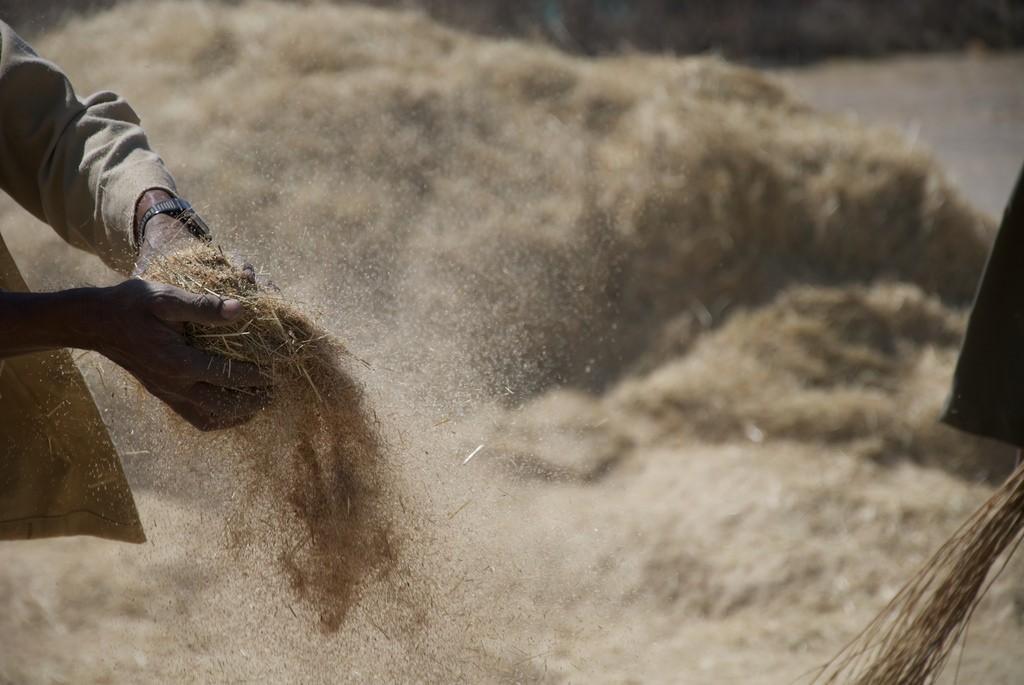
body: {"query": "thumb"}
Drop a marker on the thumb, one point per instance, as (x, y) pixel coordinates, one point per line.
(207, 309)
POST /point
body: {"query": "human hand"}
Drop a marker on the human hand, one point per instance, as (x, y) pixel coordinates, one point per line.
(139, 325)
(166, 235)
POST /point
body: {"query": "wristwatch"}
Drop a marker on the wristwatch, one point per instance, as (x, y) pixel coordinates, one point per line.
(180, 210)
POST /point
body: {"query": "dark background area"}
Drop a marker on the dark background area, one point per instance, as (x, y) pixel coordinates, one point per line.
(782, 31)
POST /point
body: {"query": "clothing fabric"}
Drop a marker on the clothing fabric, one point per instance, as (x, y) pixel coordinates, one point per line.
(79, 166)
(987, 395)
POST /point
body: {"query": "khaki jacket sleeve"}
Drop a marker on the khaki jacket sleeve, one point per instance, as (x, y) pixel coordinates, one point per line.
(78, 165)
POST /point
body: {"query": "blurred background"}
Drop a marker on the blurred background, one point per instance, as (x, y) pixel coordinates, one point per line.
(658, 303)
(755, 30)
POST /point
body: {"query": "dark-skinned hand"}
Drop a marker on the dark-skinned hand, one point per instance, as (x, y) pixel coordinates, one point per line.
(209, 392)
(140, 326)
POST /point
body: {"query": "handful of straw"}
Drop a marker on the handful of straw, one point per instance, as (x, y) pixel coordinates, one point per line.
(271, 333)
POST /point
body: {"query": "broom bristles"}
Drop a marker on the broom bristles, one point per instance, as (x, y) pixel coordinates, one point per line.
(909, 642)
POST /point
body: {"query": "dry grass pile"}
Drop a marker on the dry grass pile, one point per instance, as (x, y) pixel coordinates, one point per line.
(861, 368)
(913, 637)
(314, 490)
(539, 216)
(548, 221)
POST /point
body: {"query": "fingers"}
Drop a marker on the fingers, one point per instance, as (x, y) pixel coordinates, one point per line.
(221, 372)
(151, 343)
(211, 408)
(179, 306)
(230, 309)
(174, 306)
(144, 321)
(242, 265)
(225, 403)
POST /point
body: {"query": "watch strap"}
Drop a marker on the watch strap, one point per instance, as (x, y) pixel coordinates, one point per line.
(180, 210)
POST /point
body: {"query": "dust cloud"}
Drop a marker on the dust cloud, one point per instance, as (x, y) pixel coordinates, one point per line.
(655, 350)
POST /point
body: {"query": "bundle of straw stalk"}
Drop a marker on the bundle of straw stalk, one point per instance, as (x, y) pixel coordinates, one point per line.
(271, 333)
(909, 642)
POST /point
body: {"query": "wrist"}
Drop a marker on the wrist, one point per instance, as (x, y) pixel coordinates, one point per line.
(177, 209)
(143, 205)
(164, 234)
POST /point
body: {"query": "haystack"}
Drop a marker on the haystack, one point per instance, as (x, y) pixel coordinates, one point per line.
(540, 216)
(856, 367)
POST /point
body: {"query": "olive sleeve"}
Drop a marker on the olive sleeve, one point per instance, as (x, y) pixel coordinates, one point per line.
(78, 165)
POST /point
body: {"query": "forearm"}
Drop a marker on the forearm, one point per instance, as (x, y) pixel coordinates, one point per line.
(33, 322)
(139, 325)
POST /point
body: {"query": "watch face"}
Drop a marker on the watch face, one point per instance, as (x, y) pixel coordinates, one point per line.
(197, 226)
